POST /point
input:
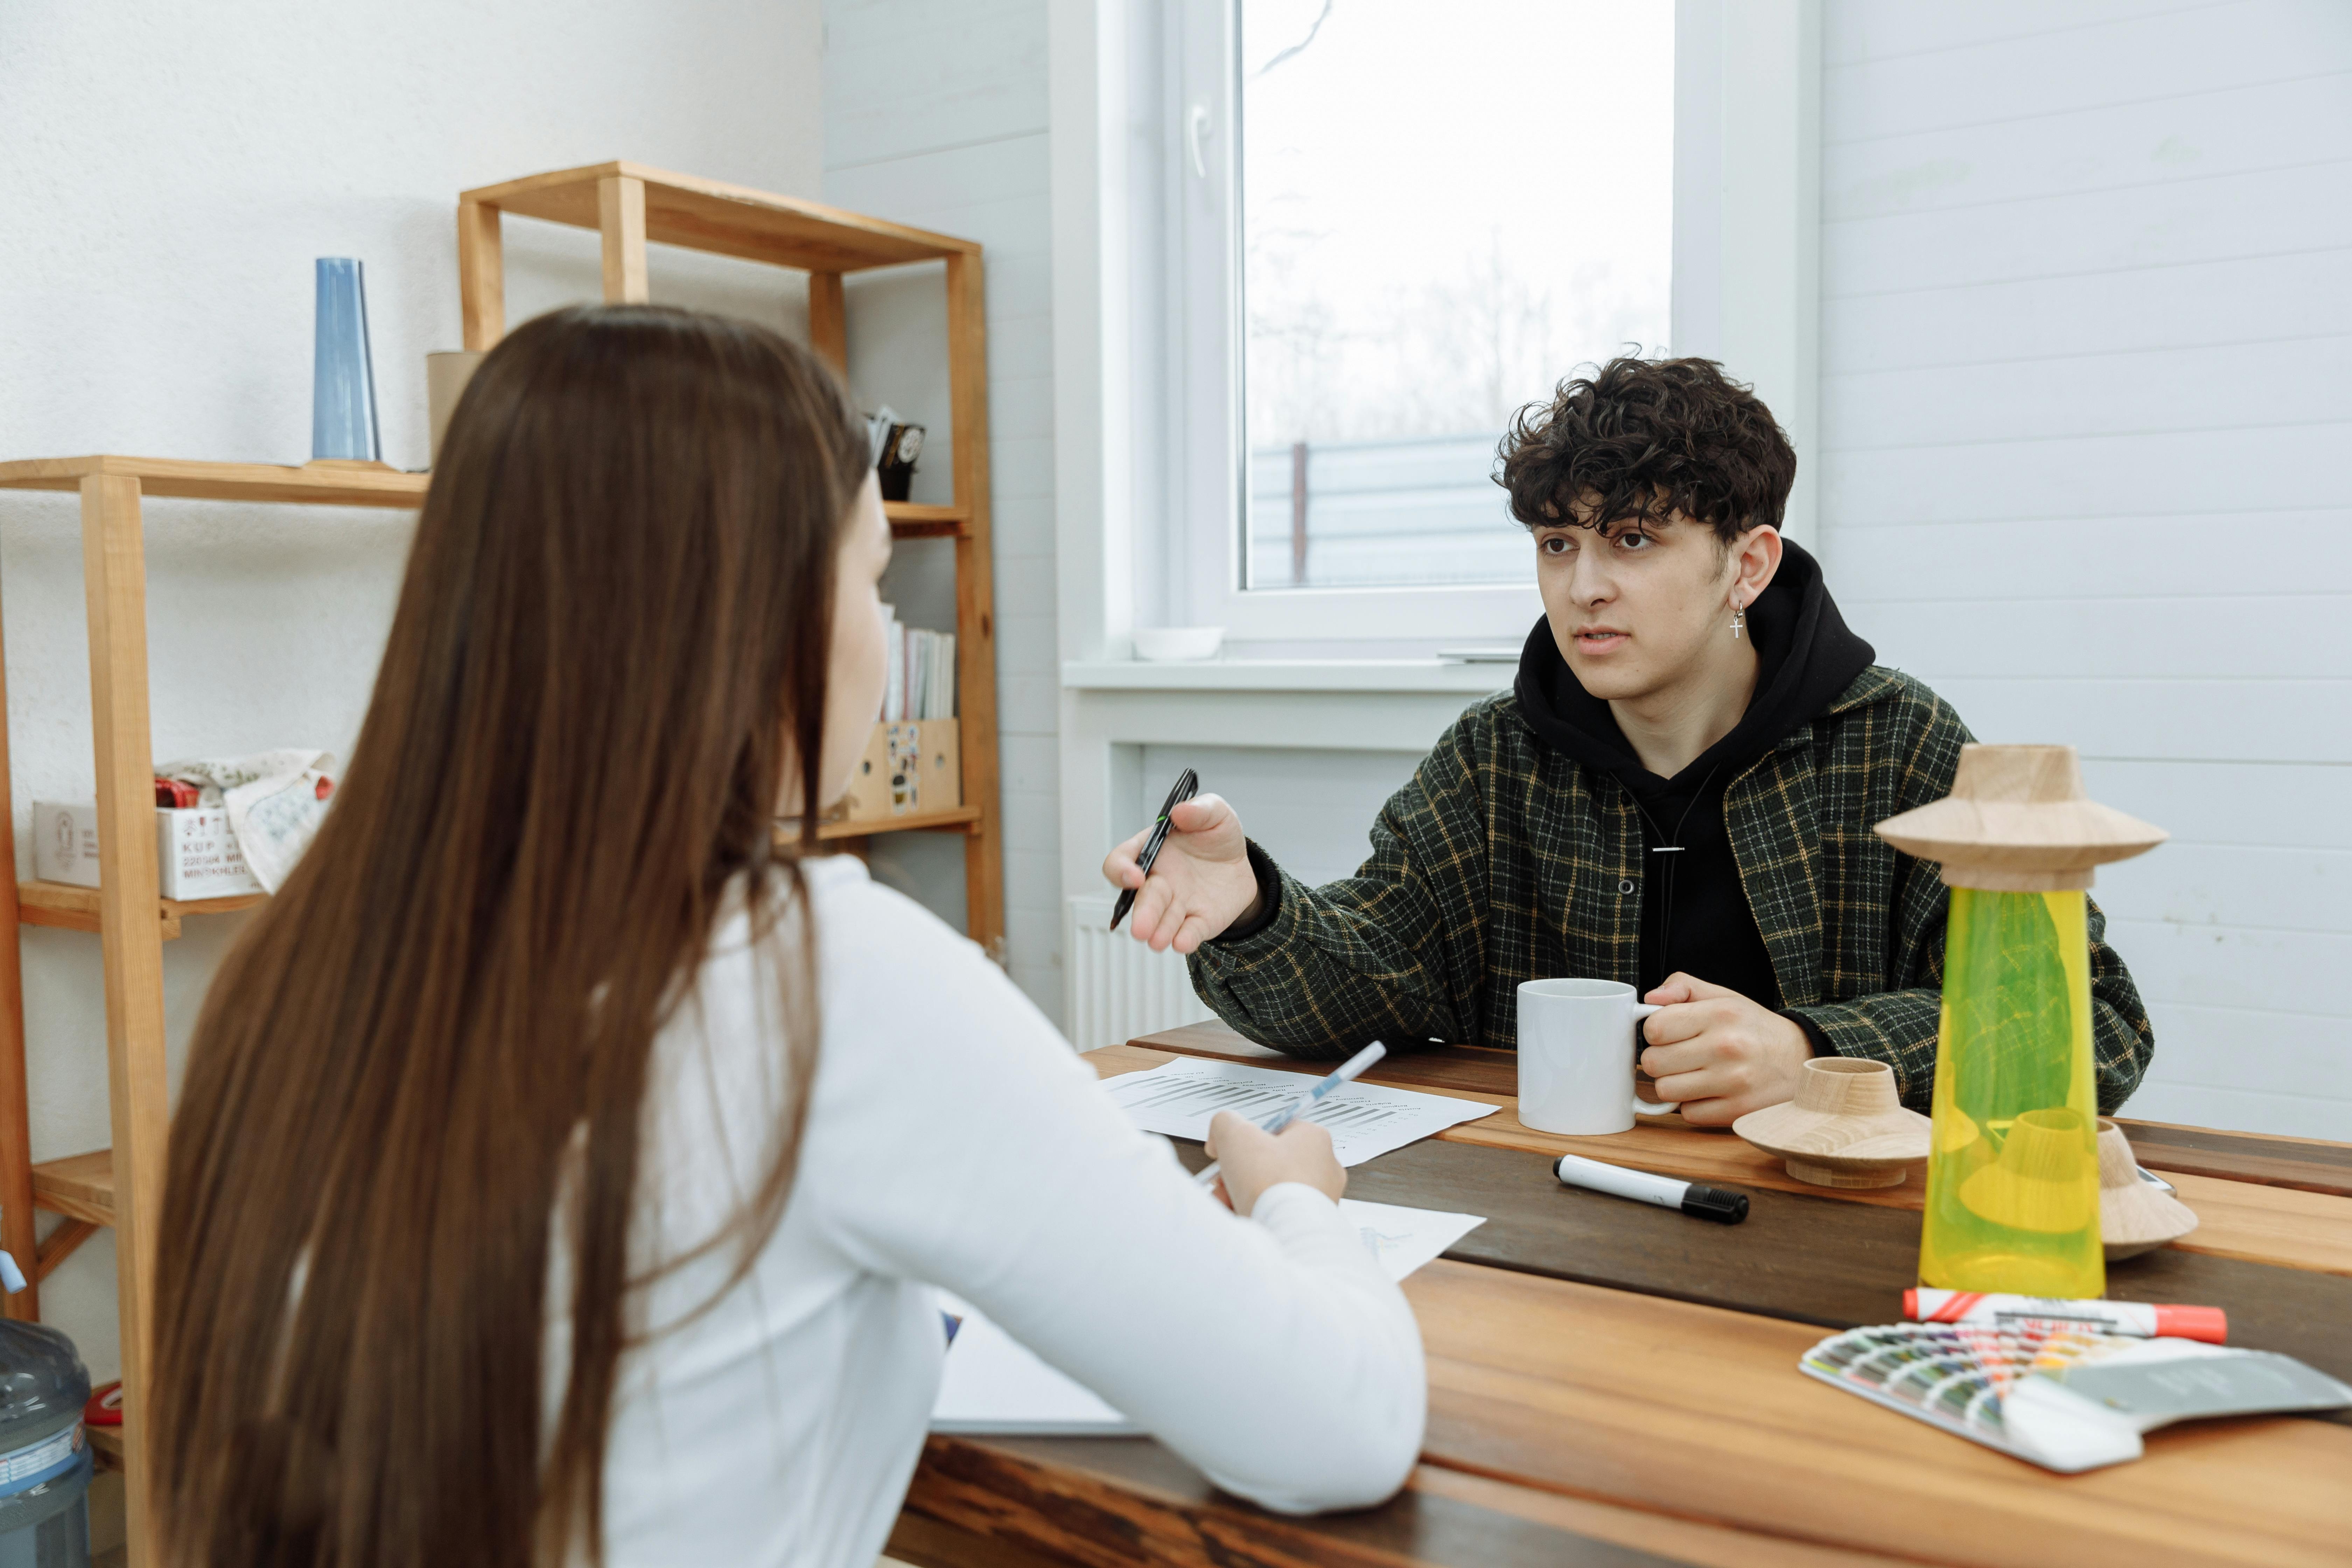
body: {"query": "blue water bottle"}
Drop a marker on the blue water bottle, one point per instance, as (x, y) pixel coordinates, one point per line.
(45, 1458)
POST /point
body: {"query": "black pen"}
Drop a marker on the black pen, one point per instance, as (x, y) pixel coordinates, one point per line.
(1188, 785)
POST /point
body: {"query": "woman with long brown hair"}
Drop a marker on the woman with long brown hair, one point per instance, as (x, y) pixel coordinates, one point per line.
(563, 1165)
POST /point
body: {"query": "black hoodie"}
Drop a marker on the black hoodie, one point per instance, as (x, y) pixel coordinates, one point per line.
(1695, 915)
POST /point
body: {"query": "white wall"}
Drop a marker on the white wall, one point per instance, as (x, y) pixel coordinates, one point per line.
(1312, 811)
(935, 114)
(172, 173)
(2086, 397)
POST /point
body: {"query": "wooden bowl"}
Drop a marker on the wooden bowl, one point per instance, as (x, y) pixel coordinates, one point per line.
(1845, 1129)
(2135, 1215)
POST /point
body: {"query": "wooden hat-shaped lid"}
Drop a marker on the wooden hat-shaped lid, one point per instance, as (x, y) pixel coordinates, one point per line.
(1845, 1129)
(2017, 821)
(1845, 1106)
(2135, 1215)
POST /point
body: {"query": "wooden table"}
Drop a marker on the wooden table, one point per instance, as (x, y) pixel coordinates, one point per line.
(1612, 1384)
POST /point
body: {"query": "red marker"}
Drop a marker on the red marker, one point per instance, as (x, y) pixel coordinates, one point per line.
(2140, 1320)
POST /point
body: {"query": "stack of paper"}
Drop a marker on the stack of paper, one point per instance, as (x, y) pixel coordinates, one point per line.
(993, 1384)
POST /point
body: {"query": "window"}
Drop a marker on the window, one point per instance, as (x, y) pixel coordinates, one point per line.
(1442, 210)
(1310, 253)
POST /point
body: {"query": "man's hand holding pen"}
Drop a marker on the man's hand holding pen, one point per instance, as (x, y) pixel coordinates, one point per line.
(1200, 883)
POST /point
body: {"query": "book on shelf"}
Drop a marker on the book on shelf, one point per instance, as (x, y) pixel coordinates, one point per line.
(921, 682)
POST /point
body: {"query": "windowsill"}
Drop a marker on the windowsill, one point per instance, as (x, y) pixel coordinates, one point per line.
(1407, 675)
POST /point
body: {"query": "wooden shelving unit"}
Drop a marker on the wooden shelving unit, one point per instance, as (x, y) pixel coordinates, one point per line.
(122, 1185)
(632, 206)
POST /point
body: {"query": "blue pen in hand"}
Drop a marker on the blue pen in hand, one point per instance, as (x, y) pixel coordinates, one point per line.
(1345, 1073)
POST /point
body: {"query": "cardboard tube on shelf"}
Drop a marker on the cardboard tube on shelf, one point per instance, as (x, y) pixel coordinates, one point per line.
(446, 375)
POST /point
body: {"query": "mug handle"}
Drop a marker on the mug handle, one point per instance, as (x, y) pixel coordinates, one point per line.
(1649, 1107)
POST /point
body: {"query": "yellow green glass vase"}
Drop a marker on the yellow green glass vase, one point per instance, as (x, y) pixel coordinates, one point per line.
(2013, 1167)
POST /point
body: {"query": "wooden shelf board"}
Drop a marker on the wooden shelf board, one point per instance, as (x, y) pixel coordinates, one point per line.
(69, 907)
(105, 1446)
(910, 521)
(961, 818)
(79, 1186)
(320, 484)
(731, 220)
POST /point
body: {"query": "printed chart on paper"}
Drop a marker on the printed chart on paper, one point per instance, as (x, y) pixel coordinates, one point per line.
(1364, 1120)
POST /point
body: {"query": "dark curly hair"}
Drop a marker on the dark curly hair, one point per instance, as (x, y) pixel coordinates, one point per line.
(1646, 437)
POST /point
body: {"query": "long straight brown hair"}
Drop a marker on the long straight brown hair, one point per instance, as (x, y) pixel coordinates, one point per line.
(611, 646)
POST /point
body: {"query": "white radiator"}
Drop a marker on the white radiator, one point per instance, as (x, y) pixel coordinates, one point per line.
(1118, 987)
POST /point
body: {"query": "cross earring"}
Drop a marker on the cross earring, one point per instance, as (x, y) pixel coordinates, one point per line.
(1739, 619)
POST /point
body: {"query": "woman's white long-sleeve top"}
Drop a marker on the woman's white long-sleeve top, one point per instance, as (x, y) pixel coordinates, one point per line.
(952, 1138)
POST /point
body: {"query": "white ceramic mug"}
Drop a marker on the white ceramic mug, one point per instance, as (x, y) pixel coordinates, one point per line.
(1577, 1042)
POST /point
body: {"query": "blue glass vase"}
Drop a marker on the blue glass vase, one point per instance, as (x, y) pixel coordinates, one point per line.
(342, 385)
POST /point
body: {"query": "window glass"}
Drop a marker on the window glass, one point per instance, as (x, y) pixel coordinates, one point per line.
(1444, 209)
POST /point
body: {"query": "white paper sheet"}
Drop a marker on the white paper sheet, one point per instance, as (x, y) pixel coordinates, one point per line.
(992, 1383)
(1402, 1238)
(1364, 1120)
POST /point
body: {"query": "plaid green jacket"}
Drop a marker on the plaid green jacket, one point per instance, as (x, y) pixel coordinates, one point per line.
(1504, 860)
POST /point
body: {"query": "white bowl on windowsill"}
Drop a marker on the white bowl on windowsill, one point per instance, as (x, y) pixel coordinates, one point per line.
(1178, 644)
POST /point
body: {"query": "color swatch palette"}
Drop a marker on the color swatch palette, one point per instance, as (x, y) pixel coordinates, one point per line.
(2057, 1394)
(1952, 1374)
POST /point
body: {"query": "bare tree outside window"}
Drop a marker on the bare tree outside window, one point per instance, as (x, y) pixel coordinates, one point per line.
(1445, 208)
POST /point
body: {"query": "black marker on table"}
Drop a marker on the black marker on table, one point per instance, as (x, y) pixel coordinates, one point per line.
(1691, 1197)
(1188, 785)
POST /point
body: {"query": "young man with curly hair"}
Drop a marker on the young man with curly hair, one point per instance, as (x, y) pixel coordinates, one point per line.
(1678, 793)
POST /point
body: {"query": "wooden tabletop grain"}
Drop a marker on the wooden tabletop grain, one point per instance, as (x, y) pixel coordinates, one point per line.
(1615, 1385)
(1700, 1413)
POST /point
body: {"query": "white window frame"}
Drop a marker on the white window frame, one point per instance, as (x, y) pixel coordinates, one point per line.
(1206, 241)
(1148, 349)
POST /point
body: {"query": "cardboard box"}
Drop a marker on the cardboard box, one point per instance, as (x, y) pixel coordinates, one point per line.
(197, 855)
(908, 769)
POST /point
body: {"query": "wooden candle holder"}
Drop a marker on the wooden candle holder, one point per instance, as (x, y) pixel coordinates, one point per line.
(1845, 1129)
(2135, 1215)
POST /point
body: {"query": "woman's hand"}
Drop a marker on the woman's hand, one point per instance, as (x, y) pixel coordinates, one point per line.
(1256, 1159)
(1201, 883)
